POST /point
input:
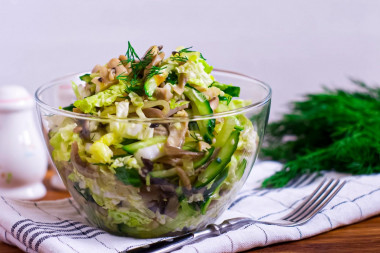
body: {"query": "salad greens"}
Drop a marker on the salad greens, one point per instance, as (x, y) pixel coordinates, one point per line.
(145, 177)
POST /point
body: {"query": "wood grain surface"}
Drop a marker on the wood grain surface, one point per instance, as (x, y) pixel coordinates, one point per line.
(363, 236)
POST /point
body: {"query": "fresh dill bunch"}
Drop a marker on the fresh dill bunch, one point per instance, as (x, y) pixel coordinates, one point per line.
(334, 130)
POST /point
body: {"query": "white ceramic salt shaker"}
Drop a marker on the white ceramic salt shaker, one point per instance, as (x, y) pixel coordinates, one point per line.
(23, 159)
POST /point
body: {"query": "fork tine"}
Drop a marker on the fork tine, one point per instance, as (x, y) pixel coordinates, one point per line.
(314, 198)
(305, 202)
(321, 203)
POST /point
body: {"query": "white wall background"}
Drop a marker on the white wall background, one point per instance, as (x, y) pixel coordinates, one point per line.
(293, 45)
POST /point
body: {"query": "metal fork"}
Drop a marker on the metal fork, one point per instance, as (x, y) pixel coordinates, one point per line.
(301, 214)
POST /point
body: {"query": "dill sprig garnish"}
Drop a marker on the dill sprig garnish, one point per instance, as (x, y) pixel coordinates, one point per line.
(179, 58)
(155, 70)
(334, 130)
(187, 50)
(131, 53)
(137, 65)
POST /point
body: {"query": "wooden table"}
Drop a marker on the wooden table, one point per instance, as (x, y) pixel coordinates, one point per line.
(363, 236)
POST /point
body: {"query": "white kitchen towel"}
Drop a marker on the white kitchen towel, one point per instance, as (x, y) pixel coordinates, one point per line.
(57, 226)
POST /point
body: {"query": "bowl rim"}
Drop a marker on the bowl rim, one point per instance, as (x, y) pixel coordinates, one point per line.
(82, 116)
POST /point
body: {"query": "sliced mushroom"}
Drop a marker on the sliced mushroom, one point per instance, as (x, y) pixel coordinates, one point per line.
(173, 161)
(161, 196)
(103, 72)
(153, 113)
(153, 51)
(100, 83)
(77, 129)
(177, 132)
(184, 178)
(111, 74)
(163, 94)
(96, 68)
(177, 109)
(180, 87)
(178, 152)
(160, 131)
(113, 63)
(123, 58)
(148, 166)
(85, 131)
(155, 61)
(120, 69)
(203, 146)
(214, 102)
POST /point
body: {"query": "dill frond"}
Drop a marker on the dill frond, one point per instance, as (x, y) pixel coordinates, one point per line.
(334, 130)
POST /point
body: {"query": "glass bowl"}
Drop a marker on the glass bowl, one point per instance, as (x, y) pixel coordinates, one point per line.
(170, 192)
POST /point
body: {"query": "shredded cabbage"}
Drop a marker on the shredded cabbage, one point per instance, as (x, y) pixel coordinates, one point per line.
(196, 74)
(100, 99)
(139, 131)
(61, 142)
(132, 219)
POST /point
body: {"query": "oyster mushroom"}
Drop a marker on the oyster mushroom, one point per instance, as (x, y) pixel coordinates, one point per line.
(180, 87)
(214, 102)
(153, 113)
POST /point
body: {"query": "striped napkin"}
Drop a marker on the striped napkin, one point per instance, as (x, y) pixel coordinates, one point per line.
(57, 226)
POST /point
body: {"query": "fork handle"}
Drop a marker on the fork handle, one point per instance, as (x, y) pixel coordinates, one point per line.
(174, 243)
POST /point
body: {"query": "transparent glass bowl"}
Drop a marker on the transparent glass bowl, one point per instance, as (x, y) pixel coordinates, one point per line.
(162, 197)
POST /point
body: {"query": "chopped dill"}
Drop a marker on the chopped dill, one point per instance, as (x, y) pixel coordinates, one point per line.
(155, 71)
(185, 50)
(178, 58)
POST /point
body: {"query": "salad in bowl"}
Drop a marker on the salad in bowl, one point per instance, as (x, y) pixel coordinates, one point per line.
(152, 145)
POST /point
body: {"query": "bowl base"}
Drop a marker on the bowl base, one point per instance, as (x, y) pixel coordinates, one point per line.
(28, 192)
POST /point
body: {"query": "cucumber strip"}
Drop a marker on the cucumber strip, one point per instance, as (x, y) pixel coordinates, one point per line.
(221, 161)
(86, 78)
(241, 168)
(213, 189)
(200, 102)
(133, 147)
(204, 159)
(153, 82)
(227, 128)
(164, 173)
(150, 86)
(231, 90)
